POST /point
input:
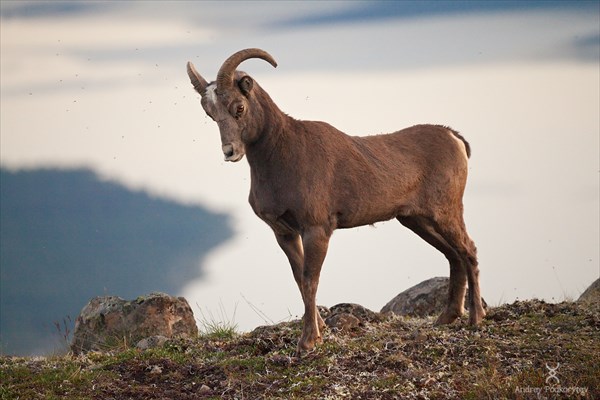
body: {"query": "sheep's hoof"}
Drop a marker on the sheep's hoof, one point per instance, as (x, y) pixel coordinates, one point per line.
(303, 350)
(475, 317)
(306, 346)
(447, 317)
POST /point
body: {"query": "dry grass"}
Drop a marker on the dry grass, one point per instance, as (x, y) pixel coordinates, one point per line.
(397, 358)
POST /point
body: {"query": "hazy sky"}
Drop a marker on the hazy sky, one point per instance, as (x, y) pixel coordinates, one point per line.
(103, 85)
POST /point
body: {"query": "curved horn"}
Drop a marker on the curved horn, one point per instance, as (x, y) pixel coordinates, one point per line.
(225, 75)
(198, 81)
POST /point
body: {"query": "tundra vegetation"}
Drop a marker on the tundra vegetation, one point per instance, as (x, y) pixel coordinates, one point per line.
(389, 358)
(309, 179)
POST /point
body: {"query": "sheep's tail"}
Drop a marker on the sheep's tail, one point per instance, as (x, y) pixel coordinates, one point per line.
(467, 145)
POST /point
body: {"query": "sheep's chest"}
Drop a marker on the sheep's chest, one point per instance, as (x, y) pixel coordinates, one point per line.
(274, 210)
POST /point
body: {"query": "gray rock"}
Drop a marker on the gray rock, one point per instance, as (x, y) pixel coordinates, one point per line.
(110, 321)
(591, 296)
(427, 298)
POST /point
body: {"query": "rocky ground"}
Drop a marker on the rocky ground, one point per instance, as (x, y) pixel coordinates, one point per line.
(525, 350)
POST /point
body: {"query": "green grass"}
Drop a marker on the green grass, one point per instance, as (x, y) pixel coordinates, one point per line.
(48, 379)
(219, 326)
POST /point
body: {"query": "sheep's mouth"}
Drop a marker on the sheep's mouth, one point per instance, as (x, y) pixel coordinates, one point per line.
(232, 152)
(235, 157)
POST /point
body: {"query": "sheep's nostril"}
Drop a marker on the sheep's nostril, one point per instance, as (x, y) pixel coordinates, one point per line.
(228, 150)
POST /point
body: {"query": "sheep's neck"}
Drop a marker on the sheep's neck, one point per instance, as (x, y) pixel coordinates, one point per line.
(273, 149)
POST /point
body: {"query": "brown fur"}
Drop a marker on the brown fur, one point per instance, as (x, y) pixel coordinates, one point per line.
(308, 179)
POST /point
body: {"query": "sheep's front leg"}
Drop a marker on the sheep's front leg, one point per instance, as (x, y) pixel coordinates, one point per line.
(315, 241)
(291, 244)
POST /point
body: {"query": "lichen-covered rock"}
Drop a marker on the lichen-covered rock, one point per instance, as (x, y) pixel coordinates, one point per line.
(348, 316)
(343, 322)
(151, 342)
(109, 321)
(427, 298)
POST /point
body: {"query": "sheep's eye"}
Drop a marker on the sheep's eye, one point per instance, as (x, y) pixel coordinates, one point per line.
(239, 110)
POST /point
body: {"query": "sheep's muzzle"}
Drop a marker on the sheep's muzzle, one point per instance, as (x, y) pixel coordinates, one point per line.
(232, 153)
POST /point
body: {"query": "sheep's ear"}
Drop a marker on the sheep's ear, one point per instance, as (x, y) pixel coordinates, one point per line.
(245, 84)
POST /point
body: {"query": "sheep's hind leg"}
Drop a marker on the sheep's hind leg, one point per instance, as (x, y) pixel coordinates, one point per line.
(425, 228)
(456, 235)
(476, 310)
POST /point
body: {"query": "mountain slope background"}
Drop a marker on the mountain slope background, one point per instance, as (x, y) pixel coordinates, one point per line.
(67, 236)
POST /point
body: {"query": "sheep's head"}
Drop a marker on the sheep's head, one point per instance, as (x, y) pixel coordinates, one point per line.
(229, 101)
